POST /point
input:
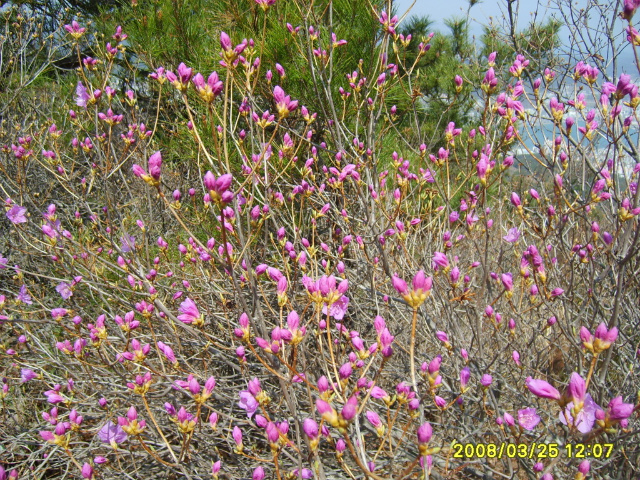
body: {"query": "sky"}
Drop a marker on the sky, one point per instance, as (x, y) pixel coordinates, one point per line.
(481, 13)
(487, 11)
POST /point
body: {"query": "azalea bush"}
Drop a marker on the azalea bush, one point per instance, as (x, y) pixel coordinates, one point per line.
(275, 304)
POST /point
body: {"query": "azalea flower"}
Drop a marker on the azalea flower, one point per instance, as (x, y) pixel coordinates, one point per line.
(248, 403)
(337, 309)
(190, 313)
(64, 289)
(512, 236)
(82, 96)
(112, 434)
(26, 375)
(17, 214)
(528, 418)
(128, 243)
(585, 418)
(24, 296)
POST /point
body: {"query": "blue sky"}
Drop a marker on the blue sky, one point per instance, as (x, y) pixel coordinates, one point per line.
(487, 11)
(481, 13)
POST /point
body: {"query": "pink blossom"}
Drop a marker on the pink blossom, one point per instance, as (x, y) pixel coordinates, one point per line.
(338, 309)
(528, 418)
(248, 403)
(584, 419)
(17, 214)
(190, 313)
(543, 389)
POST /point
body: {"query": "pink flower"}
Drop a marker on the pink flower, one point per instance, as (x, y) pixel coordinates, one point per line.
(584, 419)
(442, 336)
(576, 390)
(421, 288)
(219, 188)
(82, 96)
(24, 296)
(440, 260)
(211, 89)
(556, 292)
(64, 289)
(310, 427)
(507, 281)
(190, 314)
(237, 437)
(337, 309)
(155, 163)
(264, 5)
(350, 408)
(424, 433)
(528, 418)
(112, 433)
(17, 214)
(512, 236)
(327, 412)
(400, 285)
(374, 420)
(87, 471)
(543, 389)
(27, 375)
(75, 30)
(258, 474)
(618, 410)
(284, 104)
(248, 403)
(465, 375)
(182, 79)
(604, 338)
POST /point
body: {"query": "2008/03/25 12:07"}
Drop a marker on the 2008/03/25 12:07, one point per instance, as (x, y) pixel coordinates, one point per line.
(533, 450)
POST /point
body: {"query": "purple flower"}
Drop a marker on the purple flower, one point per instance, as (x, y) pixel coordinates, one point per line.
(248, 403)
(24, 296)
(528, 418)
(577, 389)
(112, 433)
(440, 260)
(64, 289)
(424, 433)
(585, 418)
(128, 243)
(400, 285)
(26, 375)
(512, 235)
(190, 313)
(486, 380)
(82, 97)
(17, 214)
(350, 408)
(542, 389)
(284, 104)
(618, 410)
(155, 165)
(310, 427)
(337, 309)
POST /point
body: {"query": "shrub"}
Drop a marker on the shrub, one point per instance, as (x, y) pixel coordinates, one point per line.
(274, 304)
